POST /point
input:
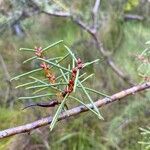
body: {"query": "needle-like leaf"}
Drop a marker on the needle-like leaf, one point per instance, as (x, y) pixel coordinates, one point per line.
(87, 106)
(54, 64)
(55, 118)
(72, 54)
(27, 49)
(25, 84)
(47, 85)
(52, 45)
(90, 99)
(87, 78)
(37, 96)
(96, 92)
(89, 63)
(38, 80)
(76, 81)
(27, 73)
(32, 58)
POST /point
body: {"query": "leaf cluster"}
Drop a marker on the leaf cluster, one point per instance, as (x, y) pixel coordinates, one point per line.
(63, 75)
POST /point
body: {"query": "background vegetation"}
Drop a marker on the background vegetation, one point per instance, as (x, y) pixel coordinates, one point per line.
(123, 37)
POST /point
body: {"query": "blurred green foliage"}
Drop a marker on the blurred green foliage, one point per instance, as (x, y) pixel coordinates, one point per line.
(131, 4)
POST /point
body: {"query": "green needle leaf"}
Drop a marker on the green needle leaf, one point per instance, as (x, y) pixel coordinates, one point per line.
(54, 64)
(25, 84)
(34, 57)
(46, 85)
(87, 106)
(72, 54)
(76, 80)
(82, 75)
(97, 92)
(89, 63)
(38, 80)
(63, 58)
(55, 118)
(27, 73)
(90, 99)
(66, 73)
(52, 45)
(37, 96)
(39, 90)
(63, 75)
(87, 78)
(27, 49)
(73, 63)
(55, 58)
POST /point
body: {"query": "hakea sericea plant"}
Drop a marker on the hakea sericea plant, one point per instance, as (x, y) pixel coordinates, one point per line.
(62, 81)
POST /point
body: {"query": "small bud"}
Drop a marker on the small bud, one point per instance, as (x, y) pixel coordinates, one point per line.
(42, 65)
(80, 66)
(79, 61)
(74, 70)
(38, 51)
(71, 82)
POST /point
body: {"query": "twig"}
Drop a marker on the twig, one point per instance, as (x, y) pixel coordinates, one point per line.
(52, 103)
(93, 32)
(57, 14)
(95, 13)
(133, 17)
(74, 111)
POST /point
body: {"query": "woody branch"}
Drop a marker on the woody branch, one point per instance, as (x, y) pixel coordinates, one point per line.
(74, 111)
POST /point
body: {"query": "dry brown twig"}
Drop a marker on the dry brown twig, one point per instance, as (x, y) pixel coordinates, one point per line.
(74, 111)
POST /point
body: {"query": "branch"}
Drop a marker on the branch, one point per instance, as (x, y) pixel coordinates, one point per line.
(57, 14)
(72, 112)
(95, 12)
(93, 32)
(133, 17)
